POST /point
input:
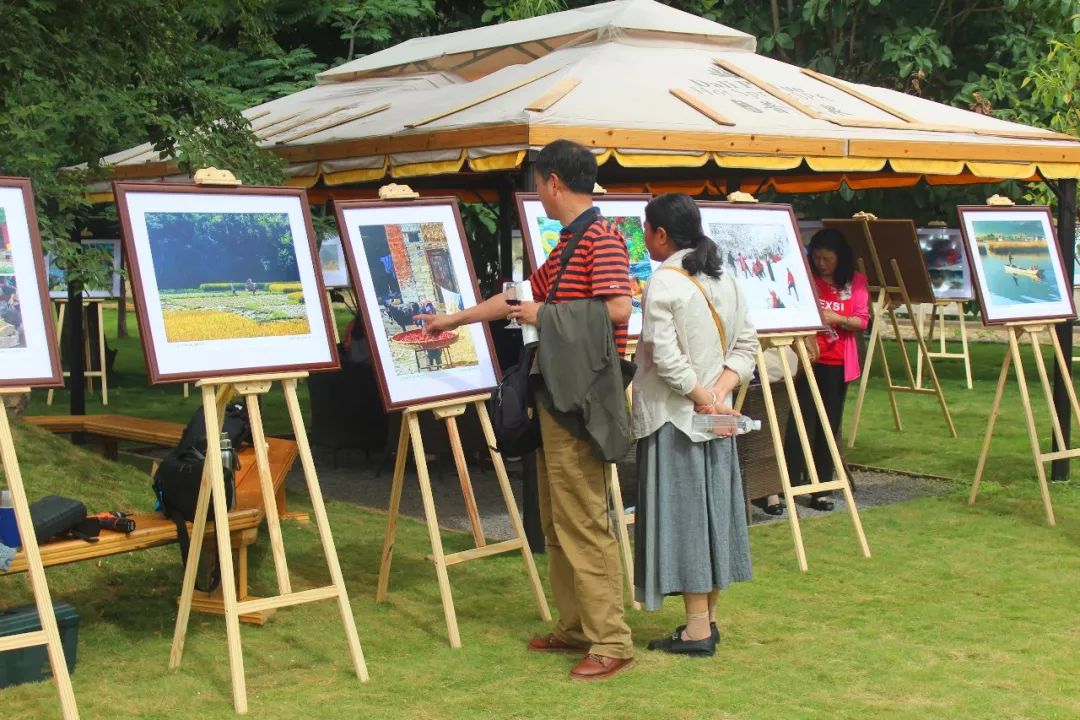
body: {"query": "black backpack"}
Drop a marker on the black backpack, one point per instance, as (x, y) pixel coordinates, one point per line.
(511, 407)
(178, 477)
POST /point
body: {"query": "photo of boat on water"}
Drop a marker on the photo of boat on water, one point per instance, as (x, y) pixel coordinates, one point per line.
(1017, 263)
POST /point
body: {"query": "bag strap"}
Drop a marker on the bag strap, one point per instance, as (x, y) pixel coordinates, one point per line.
(564, 260)
(715, 315)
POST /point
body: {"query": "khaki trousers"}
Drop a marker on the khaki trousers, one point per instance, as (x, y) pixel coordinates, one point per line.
(583, 557)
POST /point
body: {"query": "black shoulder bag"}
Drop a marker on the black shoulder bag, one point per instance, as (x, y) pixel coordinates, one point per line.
(511, 407)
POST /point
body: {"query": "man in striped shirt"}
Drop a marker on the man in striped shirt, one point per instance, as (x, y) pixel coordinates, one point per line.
(583, 560)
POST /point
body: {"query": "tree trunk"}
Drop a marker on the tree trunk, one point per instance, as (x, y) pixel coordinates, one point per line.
(121, 311)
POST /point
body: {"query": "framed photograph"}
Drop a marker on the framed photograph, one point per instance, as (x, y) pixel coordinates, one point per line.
(58, 277)
(760, 246)
(225, 280)
(626, 212)
(408, 258)
(332, 262)
(946, 263)
(1019, 271)
(28, 354)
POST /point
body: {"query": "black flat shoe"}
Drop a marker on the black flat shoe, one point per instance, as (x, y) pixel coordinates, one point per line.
(776, 509)
(823, 504)
(712, 626)
(677, 646)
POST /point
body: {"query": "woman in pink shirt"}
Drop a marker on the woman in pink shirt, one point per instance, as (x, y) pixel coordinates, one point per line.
(845, 300)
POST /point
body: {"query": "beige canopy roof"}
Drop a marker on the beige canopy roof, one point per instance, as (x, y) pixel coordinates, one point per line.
(643, 84)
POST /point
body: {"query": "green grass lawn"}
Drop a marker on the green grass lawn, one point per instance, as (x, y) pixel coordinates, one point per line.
(964, 612)
(925, 445)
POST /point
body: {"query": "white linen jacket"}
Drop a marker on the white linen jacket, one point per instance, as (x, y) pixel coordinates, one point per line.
(679, 345)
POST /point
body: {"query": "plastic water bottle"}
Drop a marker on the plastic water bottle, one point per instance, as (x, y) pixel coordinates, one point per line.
(720, 425)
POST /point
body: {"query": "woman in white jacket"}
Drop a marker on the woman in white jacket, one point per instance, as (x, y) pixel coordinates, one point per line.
(697, 345)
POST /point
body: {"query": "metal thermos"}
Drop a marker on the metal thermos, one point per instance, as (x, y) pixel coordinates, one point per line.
(230, 461)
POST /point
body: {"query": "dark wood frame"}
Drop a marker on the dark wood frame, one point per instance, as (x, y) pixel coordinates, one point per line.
(54, 379)
(520, 199)
(961, 209)
(120, 191)
(798, 237)
(362, 293)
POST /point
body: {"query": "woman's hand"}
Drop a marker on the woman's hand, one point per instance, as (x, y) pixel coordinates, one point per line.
(834, 318)
(812, 348)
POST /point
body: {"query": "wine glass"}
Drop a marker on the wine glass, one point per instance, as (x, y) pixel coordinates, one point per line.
(510, 294)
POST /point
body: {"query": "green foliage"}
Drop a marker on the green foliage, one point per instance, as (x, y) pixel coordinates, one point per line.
(481, 233)
(86, 79)
(1055, 84)
(501, 11)
(369, 25)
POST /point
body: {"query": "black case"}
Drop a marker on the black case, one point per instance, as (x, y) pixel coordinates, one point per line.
(54, 515)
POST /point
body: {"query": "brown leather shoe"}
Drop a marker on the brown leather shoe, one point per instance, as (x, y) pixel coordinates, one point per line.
(550, 643)
(599, 667)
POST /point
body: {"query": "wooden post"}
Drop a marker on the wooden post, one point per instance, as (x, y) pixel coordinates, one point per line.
(215, 394)
(842, 483)
(1016, 332)
(49, 635)
(448, 411)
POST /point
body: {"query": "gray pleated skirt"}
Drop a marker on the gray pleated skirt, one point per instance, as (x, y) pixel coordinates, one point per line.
(690, 528)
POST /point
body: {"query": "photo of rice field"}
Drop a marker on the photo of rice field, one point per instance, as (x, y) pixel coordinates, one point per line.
(412, 274)
(224, 276)
(11, 322)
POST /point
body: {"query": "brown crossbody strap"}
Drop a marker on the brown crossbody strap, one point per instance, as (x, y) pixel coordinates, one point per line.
(715, 315)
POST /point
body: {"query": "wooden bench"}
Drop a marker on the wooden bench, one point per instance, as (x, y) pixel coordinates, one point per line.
(151, 528)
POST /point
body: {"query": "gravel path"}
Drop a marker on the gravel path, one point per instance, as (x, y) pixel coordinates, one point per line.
(362, 481)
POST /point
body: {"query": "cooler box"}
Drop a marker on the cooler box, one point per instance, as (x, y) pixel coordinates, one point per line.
(32, 664)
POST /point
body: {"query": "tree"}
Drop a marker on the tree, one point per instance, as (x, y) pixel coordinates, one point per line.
(87, 79)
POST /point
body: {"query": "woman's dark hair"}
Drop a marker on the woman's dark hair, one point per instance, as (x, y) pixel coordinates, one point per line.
(679, 216)
(830, 239)
(574, 164)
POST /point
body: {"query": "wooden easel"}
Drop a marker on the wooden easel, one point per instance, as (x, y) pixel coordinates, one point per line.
(889, 299)
(88, 304)
(937, 312)
(615, 501)
(49, 635)
(842, 483)
(215, 394)
(1031, 330)
(448, 411)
